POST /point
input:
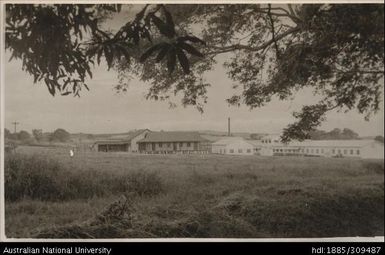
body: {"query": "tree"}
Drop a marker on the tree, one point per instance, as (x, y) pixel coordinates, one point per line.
(349, 134)
(37, 134)
(335, 134)
(379, 138)
(7, 133)
(60, 135)
(23, 135)
(271, 51)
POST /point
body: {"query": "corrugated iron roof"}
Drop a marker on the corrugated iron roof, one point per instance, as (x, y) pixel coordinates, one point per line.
(333, 143)
(113, 142)
(230, 140)
(319, 143)
(127, 139)
(172, 136)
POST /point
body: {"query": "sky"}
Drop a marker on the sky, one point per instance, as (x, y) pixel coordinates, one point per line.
(102, 110)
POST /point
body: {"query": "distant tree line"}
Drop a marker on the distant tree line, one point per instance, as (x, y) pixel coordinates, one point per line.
(335, 134)
(22, 135)
(59, 135)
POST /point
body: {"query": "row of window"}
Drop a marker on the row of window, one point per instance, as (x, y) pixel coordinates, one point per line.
(188, 144)
(320, 151)
(269, 141)
(232, 151)
(312, 151)
(346, 151)
(286, 150)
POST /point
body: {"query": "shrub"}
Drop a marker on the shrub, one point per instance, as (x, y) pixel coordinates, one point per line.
(374, 167)
(40, 178)
(30, 176)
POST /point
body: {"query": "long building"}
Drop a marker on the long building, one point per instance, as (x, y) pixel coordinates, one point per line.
(321, 148)
(173, 142)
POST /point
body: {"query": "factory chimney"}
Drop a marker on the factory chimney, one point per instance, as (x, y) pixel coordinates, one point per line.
(228, 127)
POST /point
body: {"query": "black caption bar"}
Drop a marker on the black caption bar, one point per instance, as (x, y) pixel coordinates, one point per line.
(114, 248)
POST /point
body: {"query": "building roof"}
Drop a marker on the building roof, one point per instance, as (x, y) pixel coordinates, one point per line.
(172, 136)
(332, 143)
(127, 138)
(255, 142)
(230, 140)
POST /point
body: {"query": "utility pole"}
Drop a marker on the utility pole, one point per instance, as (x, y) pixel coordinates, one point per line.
(15, 124)
(228, 127)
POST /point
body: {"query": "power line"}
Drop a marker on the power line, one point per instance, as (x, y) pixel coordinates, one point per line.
(15, 124)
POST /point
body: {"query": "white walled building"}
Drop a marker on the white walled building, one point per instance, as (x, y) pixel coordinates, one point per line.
(264, 146)
(232, 146)
(269, 146)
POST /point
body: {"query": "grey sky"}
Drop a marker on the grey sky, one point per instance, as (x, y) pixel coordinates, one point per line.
(102, 110)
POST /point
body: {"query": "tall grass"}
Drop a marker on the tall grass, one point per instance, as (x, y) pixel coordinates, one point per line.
(36, 177)
(195, 196)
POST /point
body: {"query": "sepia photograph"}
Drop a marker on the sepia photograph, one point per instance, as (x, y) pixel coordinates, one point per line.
(239, 121)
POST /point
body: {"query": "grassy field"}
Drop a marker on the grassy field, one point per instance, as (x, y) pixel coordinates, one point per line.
(190, 196)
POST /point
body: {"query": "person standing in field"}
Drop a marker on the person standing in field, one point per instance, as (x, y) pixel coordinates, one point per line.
(71, 153)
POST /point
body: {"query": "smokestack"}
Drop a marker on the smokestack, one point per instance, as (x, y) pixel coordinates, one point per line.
(228, 127)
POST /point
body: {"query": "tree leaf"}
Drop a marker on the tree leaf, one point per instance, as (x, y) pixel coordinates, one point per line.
(146, 34)
(151, 50)
(108, 53)
(92, 51)
(162, 53)
(100, 52)
(169, 21)
(191, 39)
(171, 60)
(135, 35)
(140, 14)
(123, 50)
(163, 27)
(50, 86)
(183, 61)
(190, 49)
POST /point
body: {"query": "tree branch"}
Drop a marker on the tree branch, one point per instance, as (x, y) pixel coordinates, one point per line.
(273, 32)
(219, 50)
(290, 14)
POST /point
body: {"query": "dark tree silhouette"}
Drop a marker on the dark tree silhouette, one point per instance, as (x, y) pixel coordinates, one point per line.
(23, 135)
(379, 138)
(271, 51)
(335, 134)
(60, 135)
(7, 133)
(37, 134)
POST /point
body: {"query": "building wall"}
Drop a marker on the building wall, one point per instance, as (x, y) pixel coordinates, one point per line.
(218, 149)
(286, 151)
(113, 147)
(265, 151)
(318, 151)
(373, 151)
(173, 146)
(332, 151)
(240, 148)
(134, 141)
(233, 148)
